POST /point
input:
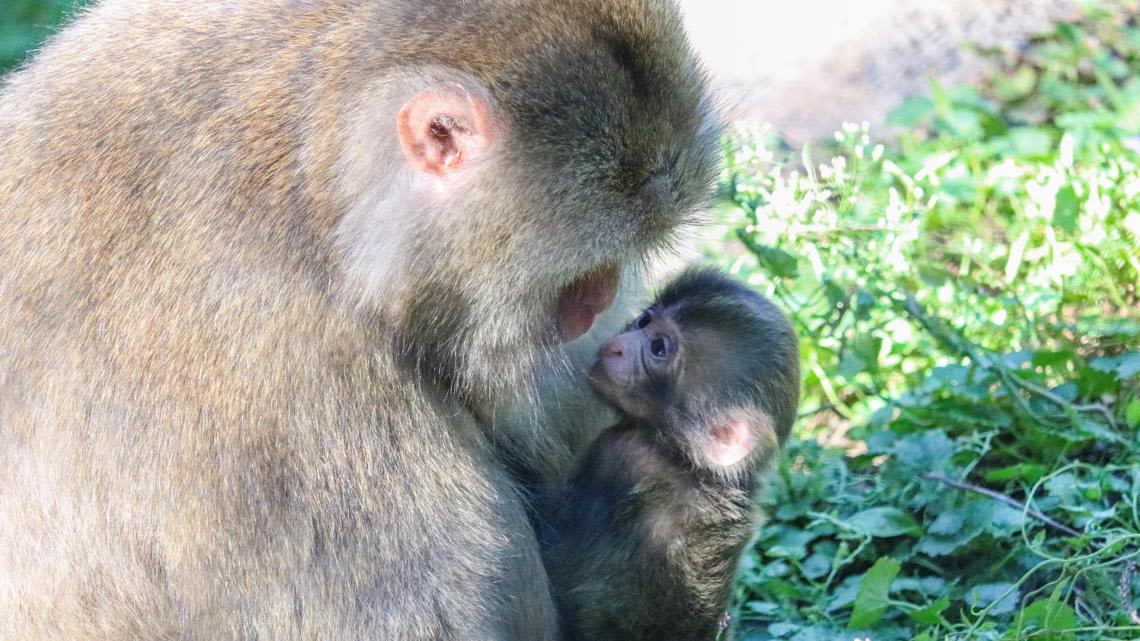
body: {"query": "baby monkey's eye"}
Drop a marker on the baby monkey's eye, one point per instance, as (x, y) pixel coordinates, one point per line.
(659, 347)
(643, 321)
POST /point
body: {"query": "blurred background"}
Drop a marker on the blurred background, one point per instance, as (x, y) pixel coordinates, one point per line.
(945, 197)
(806, 66)
(25, 23)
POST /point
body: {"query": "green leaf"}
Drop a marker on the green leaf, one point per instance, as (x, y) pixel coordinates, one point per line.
(874, 594)
(777, 262)
(1124, 366)
(861, 355)
(1097, 429)
(816, 566)
(845, 594)
(763, 608)
(964, 123)
(1065, 487)
(1016, 85)
(911, 112)
(1051, 358)
(1003, 597)
(930, 615)
(947, 523)
(1065, 210)
(929, 585)
(792, 632)
(788, 543)
(1007, 520)
(1132, 413)
(1071, 33)
(1094, 382)
(952, 529)
(1048, 615)
(926, 452)
(1031, 142)
(1028, 472)
(783, 630)
(941, 103)
(884, 522)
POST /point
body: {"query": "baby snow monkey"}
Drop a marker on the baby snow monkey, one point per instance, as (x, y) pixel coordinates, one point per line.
(707, 382)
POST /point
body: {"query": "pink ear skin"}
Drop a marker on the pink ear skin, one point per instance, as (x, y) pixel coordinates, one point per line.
(731, 441)
(443, 130)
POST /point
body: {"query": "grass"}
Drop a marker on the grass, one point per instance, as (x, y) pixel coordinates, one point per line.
(968, 462)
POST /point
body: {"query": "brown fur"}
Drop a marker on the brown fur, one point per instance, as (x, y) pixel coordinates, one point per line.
(213, 425)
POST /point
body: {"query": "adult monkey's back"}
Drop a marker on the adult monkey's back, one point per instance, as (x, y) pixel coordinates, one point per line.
(268, 271)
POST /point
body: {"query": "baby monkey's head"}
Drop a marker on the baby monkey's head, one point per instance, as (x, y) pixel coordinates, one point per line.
(712, 368)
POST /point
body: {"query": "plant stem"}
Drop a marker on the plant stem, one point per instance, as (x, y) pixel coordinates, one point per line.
(997, 496)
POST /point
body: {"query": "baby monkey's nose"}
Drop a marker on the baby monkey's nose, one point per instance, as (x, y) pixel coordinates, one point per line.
(612, 350)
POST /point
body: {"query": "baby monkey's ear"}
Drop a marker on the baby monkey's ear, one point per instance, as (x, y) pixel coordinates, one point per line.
(733, 436)
(730, 442)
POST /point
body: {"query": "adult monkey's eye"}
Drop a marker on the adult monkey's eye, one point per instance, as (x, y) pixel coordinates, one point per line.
(643, 321)
(659, 347)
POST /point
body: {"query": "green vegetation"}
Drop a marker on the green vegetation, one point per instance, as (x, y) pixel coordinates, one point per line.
(25, 23)
(968, 466)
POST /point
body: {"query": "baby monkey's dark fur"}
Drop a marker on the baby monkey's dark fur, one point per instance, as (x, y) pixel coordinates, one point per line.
(644, 540)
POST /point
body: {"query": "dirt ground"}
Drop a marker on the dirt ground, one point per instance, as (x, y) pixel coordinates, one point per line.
(807, 66)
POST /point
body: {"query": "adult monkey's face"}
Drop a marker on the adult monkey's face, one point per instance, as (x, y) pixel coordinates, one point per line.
(502, 183)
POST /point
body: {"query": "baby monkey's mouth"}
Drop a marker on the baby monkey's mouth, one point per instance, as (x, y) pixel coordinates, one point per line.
(580, 302)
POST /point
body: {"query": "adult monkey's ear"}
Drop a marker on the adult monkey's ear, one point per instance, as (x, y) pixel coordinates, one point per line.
(443, 129)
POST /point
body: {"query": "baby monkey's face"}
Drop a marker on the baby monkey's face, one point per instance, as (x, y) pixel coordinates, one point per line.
(638, 370)
(711, 369)
(675, 378)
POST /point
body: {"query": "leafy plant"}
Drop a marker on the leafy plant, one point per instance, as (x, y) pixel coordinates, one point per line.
(967, 299)
(25, 23)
